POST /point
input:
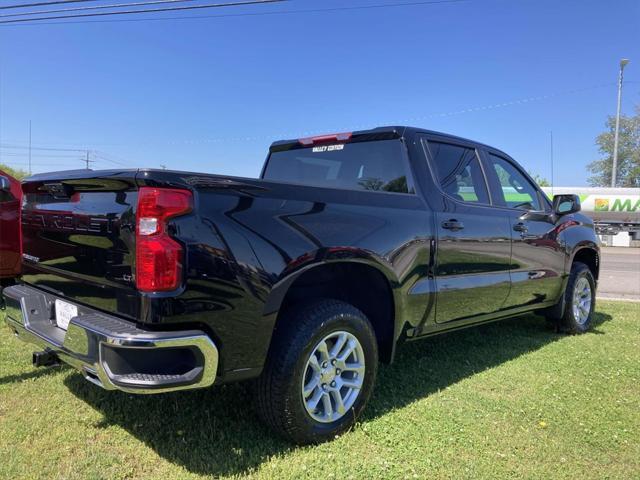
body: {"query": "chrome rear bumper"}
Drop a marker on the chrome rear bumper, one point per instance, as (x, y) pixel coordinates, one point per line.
(110, 352)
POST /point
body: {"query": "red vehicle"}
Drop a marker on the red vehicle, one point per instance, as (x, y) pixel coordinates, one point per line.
(10, 198)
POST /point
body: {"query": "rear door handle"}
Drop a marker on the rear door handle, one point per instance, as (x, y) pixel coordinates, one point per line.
(452, 224)
(520, 227)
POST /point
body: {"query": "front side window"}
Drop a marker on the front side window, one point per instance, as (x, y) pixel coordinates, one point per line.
(376, 165)
(6, 196)
(516, 190)
(458, 171)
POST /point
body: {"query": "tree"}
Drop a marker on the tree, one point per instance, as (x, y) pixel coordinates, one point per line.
(504, 178)
(628, 169)
(540, 180)
(14, 172)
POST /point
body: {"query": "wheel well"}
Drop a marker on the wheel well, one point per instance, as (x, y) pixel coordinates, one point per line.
(360, 285)
(590, 258)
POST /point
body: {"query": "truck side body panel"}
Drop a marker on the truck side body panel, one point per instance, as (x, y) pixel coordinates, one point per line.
(246, 240)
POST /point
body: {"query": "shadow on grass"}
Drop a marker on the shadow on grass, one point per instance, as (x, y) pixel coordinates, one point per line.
(214, 431)
(41, 372)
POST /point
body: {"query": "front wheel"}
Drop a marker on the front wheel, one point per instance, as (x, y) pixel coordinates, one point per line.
(580, 300)
(320, 371)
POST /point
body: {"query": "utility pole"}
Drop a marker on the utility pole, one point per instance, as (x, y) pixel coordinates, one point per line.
(623, 63)
(29, 147)
(551, 152)
(87, 160)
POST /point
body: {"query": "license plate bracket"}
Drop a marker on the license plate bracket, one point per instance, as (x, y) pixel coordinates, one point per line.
(65, 311)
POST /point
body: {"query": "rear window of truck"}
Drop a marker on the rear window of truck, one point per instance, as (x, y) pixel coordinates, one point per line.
(376, 165)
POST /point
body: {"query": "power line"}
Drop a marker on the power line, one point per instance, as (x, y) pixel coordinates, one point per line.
(409, 120)
(39, 164)
(26, 147)
(78, 151)
(148, 10)
(71, 165)
(249, 14)
(280, 135)
(396, 121)
(104, 157)
(30, 147)
(87, 156)
(94, 7)
(36, 155)
(43, 4)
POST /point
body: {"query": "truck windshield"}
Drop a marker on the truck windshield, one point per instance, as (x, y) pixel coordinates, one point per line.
(377, 165)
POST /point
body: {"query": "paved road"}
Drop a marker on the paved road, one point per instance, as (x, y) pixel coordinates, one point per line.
(620, 273)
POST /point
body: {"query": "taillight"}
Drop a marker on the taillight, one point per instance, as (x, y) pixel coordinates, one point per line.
(332, 137)
(159, 257)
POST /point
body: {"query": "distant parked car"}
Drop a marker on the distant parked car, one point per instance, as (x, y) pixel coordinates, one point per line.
(10, 198)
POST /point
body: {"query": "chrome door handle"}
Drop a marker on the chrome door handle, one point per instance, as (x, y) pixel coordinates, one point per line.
(520, 227)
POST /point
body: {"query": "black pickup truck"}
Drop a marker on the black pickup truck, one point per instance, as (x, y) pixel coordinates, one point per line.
(151, 281)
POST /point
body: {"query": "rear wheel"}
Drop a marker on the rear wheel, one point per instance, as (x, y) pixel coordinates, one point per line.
(320, 372)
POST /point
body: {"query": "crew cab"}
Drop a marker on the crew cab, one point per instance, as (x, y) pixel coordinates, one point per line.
(10, 197)
(347, 245)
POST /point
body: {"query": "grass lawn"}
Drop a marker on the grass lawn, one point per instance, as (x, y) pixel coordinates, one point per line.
(510, 399)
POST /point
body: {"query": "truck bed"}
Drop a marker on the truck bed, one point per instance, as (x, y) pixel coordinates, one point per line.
(241, 239)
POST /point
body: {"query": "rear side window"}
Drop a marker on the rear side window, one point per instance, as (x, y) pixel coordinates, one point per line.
(458, 171)
(515, 190)
(378, 166)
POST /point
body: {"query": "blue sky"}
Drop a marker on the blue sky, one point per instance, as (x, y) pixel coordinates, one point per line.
(210, 94)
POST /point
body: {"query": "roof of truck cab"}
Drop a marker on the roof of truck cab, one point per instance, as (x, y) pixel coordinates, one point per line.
(399, 130)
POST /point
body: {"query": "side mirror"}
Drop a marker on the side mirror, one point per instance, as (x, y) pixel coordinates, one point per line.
(565, 204)
(5, 184)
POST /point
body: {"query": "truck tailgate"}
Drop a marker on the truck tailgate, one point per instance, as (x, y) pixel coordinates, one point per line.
(78, 233)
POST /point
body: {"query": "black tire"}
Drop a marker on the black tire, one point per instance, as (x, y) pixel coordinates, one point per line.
(568, 322)
(280, 402)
